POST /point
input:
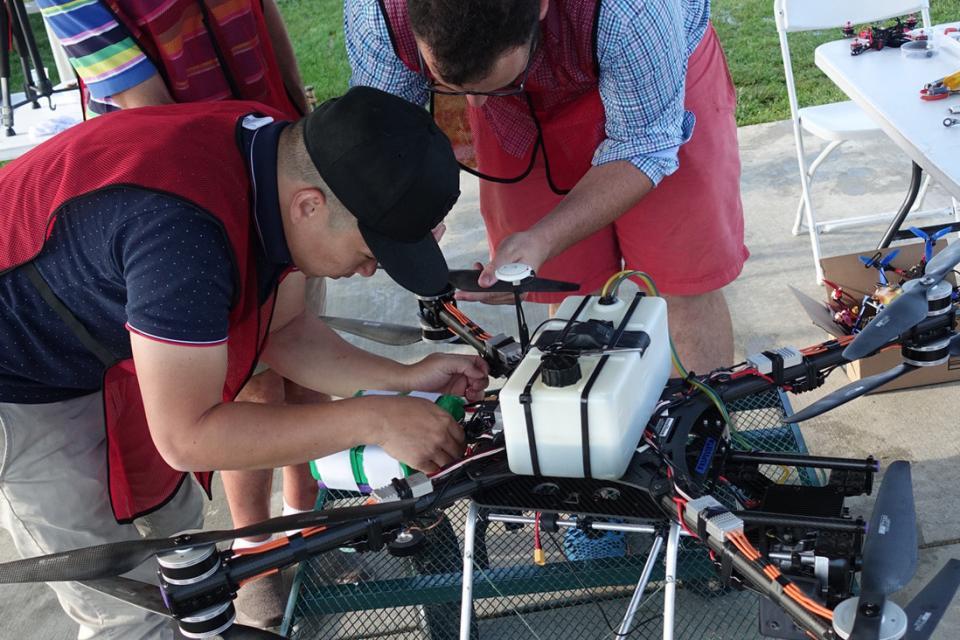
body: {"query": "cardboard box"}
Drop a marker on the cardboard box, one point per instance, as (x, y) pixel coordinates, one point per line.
(849, 273)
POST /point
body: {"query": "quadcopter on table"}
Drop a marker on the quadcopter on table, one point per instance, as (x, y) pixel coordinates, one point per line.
(659, 468)
(876, 37)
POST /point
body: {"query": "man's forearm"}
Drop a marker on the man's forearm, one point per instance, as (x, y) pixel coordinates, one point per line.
(309, 353)
(148, 93)
(247, 435)
(601, 196)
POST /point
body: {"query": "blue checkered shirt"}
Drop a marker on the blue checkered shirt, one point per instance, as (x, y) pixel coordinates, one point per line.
(642, 48)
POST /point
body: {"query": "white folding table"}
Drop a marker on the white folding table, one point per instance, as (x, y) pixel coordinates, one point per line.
(886, 85)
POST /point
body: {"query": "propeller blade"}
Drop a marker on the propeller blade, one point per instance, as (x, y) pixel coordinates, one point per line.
(927, 608)
(890, 258)
(818, 312)
(890, 547)
(113, 559)
(139, 594)
(850, 392)
(889, 550)
(467, 280)
(395, 335)
(903, 313)
(944, 262)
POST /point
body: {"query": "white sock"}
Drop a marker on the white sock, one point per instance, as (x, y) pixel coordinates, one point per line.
(290, 511)
(246, 543)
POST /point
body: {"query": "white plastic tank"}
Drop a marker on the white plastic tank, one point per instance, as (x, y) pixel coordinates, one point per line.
(619, 402)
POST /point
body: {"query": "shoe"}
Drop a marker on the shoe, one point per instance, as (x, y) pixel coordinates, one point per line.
(261, 603)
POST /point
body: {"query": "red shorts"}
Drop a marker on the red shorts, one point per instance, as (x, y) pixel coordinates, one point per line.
(687, 233)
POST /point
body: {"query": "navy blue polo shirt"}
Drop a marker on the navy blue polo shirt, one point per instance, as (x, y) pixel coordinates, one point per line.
(126, 259)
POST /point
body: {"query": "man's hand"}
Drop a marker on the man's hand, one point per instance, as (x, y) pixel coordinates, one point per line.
(417, 432)
(449, 373)
(525, 247)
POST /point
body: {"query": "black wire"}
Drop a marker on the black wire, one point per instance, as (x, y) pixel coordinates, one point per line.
(596, 602)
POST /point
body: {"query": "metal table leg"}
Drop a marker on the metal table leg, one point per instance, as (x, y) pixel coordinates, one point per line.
(637, 598)
(670, 580)
(916, 177)
(466, 595)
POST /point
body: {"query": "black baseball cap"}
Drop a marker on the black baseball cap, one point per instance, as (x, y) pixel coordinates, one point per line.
(391, 166)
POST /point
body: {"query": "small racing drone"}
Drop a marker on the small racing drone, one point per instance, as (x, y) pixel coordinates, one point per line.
(876, 37)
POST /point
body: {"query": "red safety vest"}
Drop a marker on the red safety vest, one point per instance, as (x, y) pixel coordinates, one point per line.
(560, 111)
(208, 49)
(192, 152)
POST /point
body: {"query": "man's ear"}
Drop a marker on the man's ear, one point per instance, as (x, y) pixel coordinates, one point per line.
(307, 204)
(544, 5)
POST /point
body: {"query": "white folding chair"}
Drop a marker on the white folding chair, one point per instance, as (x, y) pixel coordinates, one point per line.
(839, 121)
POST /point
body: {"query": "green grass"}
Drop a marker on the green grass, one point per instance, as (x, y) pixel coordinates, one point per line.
(316, 30)
(749, 36)
(746, 29)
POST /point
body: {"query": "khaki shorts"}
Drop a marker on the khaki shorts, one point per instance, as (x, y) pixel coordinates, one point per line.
(53, 497)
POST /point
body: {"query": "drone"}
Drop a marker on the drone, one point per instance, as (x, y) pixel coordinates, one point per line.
(666, 459)
(876, 38)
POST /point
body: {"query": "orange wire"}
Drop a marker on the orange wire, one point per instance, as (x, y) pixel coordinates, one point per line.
(772, 572)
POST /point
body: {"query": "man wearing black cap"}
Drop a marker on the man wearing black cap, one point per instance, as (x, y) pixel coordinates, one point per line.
(134, 305)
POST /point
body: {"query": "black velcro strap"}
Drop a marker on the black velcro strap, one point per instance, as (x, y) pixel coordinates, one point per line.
(615, 338)
(76, 327)
(297, 547)
(527, 400)
(402, 487)
(584, 418)
(726, 567)
(777, 364)
(701, 526)
(375, 536)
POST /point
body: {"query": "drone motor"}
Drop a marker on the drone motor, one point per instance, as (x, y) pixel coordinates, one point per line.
(191, 566)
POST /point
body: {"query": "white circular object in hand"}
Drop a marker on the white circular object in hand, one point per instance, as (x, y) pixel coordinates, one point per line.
(514, 272)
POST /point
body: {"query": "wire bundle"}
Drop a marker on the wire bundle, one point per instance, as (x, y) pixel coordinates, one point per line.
(462, 318)
(740, 542)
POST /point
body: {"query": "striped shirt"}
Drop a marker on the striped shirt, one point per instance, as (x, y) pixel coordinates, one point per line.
(100, 49)
(205, 49)
(642, 49)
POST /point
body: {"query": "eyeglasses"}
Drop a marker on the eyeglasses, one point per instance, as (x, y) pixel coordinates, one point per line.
(514, 89)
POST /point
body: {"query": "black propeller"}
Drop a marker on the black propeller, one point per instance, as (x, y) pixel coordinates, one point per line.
(850, 392)
(927, 608)
(905, 311)
(889, 551)
(113, 559)
(467, 280)
(396, 335)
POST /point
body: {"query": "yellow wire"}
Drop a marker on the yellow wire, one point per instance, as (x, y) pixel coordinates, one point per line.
(616, 280)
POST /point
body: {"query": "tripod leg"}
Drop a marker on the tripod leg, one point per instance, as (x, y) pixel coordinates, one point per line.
(6, 108)
(30, 41)
(16, 28)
